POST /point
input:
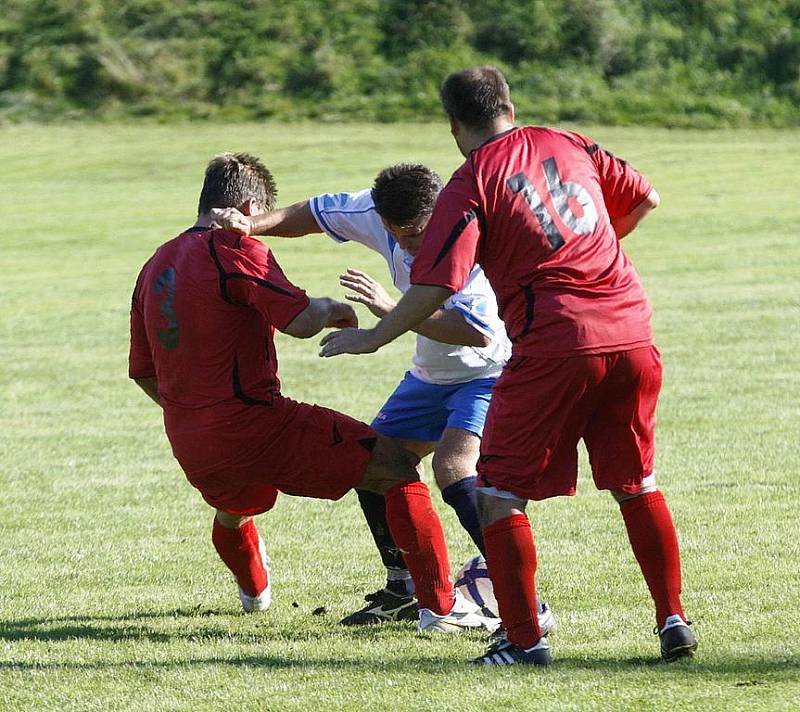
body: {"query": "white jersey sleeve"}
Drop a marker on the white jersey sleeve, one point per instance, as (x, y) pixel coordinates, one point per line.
(349, 217)
(477, 304)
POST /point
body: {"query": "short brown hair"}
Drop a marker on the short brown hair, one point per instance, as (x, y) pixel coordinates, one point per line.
(475, 96)
(405, 192)
(233, 178)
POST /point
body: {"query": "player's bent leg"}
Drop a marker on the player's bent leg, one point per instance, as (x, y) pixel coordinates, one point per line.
(413, 523)
(511, 557)
(397, 600)
(454, 461)
(655, 544)
(242, 549)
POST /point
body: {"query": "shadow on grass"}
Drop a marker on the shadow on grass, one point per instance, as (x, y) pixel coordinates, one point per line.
(159, 627)
(751, 672)
(150, 626)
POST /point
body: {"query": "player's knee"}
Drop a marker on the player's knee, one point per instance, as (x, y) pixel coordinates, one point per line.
(389, 465)
(455, 458)
(446, 472)
(648, 484)
(492, 508)
(231, 521)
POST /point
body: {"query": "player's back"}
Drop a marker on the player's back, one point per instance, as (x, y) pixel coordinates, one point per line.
(548, 248)
(209, 340)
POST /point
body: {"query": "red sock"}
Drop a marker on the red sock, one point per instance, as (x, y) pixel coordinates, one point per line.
(511, 558)
(655, 545)
(417, 531)
(238, 548)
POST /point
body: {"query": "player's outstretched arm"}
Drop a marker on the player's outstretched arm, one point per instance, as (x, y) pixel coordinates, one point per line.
(294, 221)
(417, 304)
(321, 313)
(448, 327)
(626, 224)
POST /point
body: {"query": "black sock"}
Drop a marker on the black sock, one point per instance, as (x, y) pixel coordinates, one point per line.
(461, 497)
(374, 508)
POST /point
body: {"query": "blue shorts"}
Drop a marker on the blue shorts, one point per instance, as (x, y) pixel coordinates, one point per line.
(421, 411)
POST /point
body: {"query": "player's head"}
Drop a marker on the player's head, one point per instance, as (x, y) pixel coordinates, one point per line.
(475, 100)
(404, 196)
(237, 180)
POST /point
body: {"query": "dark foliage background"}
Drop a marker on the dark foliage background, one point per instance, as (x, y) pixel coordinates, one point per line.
(703, 63)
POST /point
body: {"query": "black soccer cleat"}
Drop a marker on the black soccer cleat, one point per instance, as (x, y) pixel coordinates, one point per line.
(384, 606)
(504, 652)
(677, 639)
(548, 625)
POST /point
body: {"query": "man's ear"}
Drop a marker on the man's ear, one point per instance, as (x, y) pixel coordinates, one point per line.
(248, 207)
(511, 114)
(453, 126)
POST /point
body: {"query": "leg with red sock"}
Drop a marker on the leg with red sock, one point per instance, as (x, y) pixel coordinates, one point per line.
(655, 545)
(416, 529)
(242, 550)
(511, 557)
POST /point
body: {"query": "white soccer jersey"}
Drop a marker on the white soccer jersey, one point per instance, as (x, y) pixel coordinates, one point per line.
(352, 217)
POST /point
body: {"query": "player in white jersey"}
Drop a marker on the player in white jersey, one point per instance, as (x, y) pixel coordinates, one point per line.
(440, 405)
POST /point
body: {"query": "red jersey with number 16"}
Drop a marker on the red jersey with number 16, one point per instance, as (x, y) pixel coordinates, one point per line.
(533, 207)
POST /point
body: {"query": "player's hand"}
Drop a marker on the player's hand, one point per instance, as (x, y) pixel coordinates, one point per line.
(343, 316)
(231, 219)
(348, 341)
(367, 292)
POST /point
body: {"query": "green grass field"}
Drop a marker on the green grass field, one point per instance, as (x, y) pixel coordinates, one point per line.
(112, 596)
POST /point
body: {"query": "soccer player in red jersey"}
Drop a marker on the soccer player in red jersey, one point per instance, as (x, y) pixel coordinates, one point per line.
(203, 315)
(543, 211)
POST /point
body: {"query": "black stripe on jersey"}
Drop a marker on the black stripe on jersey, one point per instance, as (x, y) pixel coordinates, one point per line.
(530, 304)
(594, 148)
(260, 282)
(239, 393)
(461, 225)
(223, 290)
(225, 276)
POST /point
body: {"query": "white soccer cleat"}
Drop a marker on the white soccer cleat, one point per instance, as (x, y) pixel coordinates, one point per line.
(253, 604)
(464, 615)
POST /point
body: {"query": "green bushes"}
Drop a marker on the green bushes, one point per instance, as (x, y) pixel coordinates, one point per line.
(666, 62)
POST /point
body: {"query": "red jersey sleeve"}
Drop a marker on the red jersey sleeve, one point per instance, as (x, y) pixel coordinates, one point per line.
(622, 185)
(259, 282)
(140, 358)
(450, 248)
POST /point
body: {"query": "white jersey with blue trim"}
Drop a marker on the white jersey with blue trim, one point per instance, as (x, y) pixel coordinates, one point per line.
(351, 217)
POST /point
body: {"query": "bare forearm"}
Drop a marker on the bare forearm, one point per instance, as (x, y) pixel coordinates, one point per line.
(321, 313)
(450, 327)
(446, 326)
(294, 221)
(416, 306)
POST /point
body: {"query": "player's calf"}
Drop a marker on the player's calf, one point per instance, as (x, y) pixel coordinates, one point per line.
(242, 549)
(413, 522)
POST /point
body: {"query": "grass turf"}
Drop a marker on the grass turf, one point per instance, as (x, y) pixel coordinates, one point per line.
(112, 596)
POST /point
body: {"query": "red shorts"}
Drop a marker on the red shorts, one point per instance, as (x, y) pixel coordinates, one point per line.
(290, 447)
(541, 408)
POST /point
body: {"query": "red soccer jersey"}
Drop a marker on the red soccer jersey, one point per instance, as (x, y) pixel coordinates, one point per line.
(203, 315)
(533, 207)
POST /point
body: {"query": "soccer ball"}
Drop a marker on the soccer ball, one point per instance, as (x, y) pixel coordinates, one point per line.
(475, 585)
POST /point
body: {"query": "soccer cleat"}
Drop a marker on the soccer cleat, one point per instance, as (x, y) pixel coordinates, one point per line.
(677, 639)
(253, 604)
(548, 624)
(384, 606)
(504, 652)
(464, 615)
